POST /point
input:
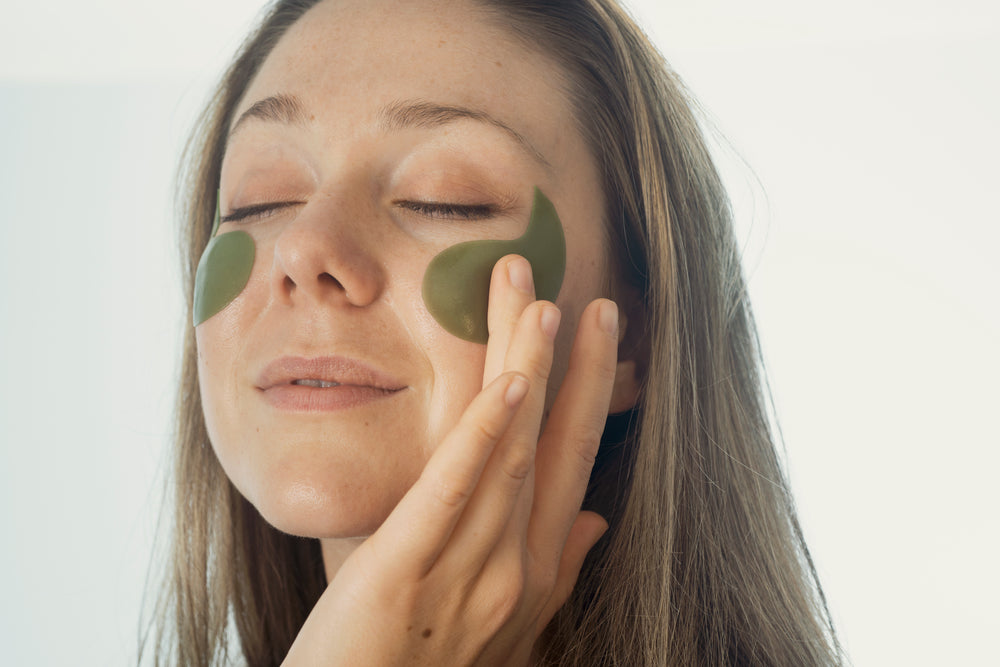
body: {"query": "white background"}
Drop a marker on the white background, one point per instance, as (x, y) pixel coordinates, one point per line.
(871, 232)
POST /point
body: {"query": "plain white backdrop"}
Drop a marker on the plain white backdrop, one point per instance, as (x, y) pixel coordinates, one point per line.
(871, 232)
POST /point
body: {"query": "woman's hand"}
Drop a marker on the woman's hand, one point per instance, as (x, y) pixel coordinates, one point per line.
(486, 546)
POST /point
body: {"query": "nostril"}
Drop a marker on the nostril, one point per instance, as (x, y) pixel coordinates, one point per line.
(326, 279)
(323, 280)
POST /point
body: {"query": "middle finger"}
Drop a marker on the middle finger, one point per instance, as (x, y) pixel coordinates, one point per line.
(506, 484)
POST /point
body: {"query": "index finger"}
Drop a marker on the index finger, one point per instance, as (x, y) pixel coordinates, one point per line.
(420, 526)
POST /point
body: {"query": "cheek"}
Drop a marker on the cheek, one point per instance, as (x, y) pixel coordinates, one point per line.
(223, 271)
(453, 367)
(222, 343)
(217, 362)
(228, 298)
(458, 377)
(456, 285)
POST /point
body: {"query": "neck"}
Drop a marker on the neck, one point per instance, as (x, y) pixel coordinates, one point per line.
(335, 552)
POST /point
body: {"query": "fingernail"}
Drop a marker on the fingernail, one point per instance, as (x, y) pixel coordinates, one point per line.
(516, 392)
(608, 317)
(550, 321)
(519, 272)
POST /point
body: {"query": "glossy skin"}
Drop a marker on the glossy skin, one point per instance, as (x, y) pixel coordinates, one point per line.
(338, 271)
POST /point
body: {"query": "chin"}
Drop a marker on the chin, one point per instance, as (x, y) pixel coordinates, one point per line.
(305, 510)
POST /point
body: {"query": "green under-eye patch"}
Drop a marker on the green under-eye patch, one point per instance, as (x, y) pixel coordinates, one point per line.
(456, 285)
(223, 271)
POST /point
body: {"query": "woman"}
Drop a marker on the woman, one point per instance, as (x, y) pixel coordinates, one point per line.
(357, 479)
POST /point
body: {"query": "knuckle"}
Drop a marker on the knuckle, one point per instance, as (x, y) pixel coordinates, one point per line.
(537, 368)
(605, 373)
(517, 463)
(507, 597)
(451, 491)
(586, 444)
(582, 440)
(585, 456)
(545, 577)
(488, 431)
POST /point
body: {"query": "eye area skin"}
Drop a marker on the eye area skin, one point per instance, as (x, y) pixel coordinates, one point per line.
(430, 209)
(256, 211)
(448, 210)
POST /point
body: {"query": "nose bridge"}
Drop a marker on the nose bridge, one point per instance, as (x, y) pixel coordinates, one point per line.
(329, 252)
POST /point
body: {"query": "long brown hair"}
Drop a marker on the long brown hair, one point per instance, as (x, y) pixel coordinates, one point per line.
(704, 562)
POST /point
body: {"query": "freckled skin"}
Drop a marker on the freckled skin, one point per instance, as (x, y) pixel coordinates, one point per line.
(329, 475)
(456, 285)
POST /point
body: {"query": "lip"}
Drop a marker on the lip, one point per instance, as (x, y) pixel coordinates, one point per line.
(358, 383)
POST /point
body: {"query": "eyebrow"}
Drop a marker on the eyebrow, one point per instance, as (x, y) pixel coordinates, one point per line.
(400, 115)
(284, 109)
(289, 110)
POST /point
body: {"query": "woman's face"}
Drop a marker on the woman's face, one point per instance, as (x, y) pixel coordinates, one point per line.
(379, 113)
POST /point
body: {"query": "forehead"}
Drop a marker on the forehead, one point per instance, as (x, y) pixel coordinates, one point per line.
(345, 60)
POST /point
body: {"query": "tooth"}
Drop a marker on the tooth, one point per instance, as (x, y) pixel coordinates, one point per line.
(322, 384)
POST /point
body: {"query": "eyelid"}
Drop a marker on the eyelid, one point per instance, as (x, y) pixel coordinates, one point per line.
(254, 211)
(433, 209)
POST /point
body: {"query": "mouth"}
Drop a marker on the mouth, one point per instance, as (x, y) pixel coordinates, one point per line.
(322, 384)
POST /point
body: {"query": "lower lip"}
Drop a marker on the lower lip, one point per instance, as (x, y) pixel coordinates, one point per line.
(302, 398)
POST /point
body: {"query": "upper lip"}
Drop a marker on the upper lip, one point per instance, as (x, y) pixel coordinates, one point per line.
(341, 370)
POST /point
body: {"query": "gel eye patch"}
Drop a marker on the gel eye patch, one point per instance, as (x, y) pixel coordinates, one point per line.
(223, 271)
(456, 286)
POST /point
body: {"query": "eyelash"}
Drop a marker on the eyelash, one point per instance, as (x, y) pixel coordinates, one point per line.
(439, 210)
(255, 211)
(445, 210)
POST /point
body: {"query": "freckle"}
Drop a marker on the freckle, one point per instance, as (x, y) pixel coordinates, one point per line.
(409, 627)
(441, 43)
(427, 633)
(497, 63)
(366, 423)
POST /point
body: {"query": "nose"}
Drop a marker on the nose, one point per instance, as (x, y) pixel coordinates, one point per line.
(327, 255)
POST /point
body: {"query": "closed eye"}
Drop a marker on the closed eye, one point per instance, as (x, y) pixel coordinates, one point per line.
(442, 210)
(256, 211)
(446, 210)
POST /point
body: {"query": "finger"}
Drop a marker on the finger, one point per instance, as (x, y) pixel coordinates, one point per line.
(567, 449)
(524, 428)
(588, 528)
(508, 473)
(511, 290)
(420, 525)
